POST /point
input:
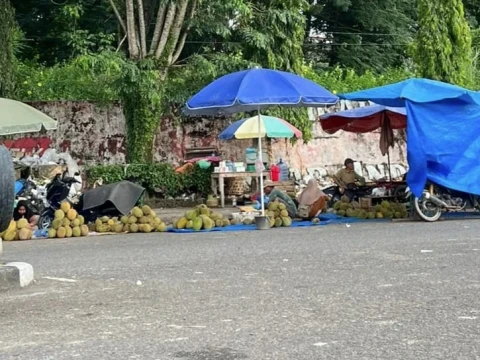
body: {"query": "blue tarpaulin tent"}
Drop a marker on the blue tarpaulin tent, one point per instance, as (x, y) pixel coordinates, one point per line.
(443, 131)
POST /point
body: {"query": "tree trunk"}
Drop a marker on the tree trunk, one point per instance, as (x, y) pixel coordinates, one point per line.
(133, 48)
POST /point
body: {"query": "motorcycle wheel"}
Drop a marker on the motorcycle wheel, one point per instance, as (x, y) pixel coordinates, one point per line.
(44, 222)
(427, 210)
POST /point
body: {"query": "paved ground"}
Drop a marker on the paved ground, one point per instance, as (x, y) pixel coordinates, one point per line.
(369, 291)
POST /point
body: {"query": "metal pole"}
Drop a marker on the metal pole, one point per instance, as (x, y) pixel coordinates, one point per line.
(261, 161)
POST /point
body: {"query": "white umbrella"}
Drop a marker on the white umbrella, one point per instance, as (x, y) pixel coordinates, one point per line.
(18, 118)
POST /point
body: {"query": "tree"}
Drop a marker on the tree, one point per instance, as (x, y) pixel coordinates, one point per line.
(8, 29)
(363, 35)
(443, 47)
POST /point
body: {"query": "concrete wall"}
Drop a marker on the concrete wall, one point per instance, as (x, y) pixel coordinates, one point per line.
(95, 133)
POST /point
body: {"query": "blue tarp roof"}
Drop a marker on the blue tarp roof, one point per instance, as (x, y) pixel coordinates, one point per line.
(443, 131)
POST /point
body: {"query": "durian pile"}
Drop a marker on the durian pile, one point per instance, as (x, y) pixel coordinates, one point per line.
(202, 218)
(385, 210)
(18, 230)
(67, 223)
(142, 220)
(278, 214)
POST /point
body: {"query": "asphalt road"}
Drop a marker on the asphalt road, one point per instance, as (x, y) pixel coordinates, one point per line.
(369, 291)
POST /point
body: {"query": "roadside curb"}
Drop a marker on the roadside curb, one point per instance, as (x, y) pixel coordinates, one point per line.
(14, 275)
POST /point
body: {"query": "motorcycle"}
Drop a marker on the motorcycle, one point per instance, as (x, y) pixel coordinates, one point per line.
(437, 199)
(58, 191)
(34, 194)
(334, 193)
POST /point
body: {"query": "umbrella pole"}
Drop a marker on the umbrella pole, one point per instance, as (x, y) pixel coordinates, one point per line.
(262, 202)
(389, 166)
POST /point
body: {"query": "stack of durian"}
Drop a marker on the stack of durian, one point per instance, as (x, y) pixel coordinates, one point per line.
(17, 230)
(385, 210)
(143, 220)
(278, 214)
(67, 223)
(202, 218)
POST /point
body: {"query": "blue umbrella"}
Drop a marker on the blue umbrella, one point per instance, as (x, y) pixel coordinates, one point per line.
(255, 90)
(416, 90)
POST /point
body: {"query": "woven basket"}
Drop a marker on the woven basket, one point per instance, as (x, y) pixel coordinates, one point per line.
(234, 186)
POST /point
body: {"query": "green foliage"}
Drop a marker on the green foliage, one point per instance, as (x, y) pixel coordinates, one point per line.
(443, 48)
(362, 35)
(8, 28)
(158, 178)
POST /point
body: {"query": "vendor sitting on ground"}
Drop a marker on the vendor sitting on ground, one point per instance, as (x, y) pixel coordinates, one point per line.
(311, 201)
(23, 211)
(347, 178)
(275, 194)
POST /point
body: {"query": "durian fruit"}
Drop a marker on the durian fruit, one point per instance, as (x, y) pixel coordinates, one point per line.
(146, 210)
(124, 219)
(378, 208)
(56, 223)
(24, 234)
(81, 219)
(110, 222)
(65, 206)
(197, 224)
(189, 224)
(233, 222)
(146, 228)
(104, 219)
(71, 214)
(161, 227)
(286, 221)
(84, 230)
(226, 222)
(247, 221)
(337, 205)
(284, 213)
(69, 232)
(343, 206)
(22, 223)
(52, 233)
(59, 214)
(182, 223)
(345, 199)
(281, 206)
(355, 205)
(9, 235)
(371, 215)
(65, 222)
(133, 228)
(341, 212)
(118, 228)
(137, 212)
(273, 206)
(75, 222)
(61, 232)
(379, 215)
(132, 219)
(315, 221)
(278, 222)
(76, 232)
(385, 204)
(143, 220)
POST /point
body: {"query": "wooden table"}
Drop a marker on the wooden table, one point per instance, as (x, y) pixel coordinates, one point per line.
(218, 181)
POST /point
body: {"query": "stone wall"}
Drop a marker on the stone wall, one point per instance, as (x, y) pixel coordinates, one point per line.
(95, 133)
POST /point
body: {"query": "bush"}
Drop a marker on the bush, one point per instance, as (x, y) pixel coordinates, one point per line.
(155, 178)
